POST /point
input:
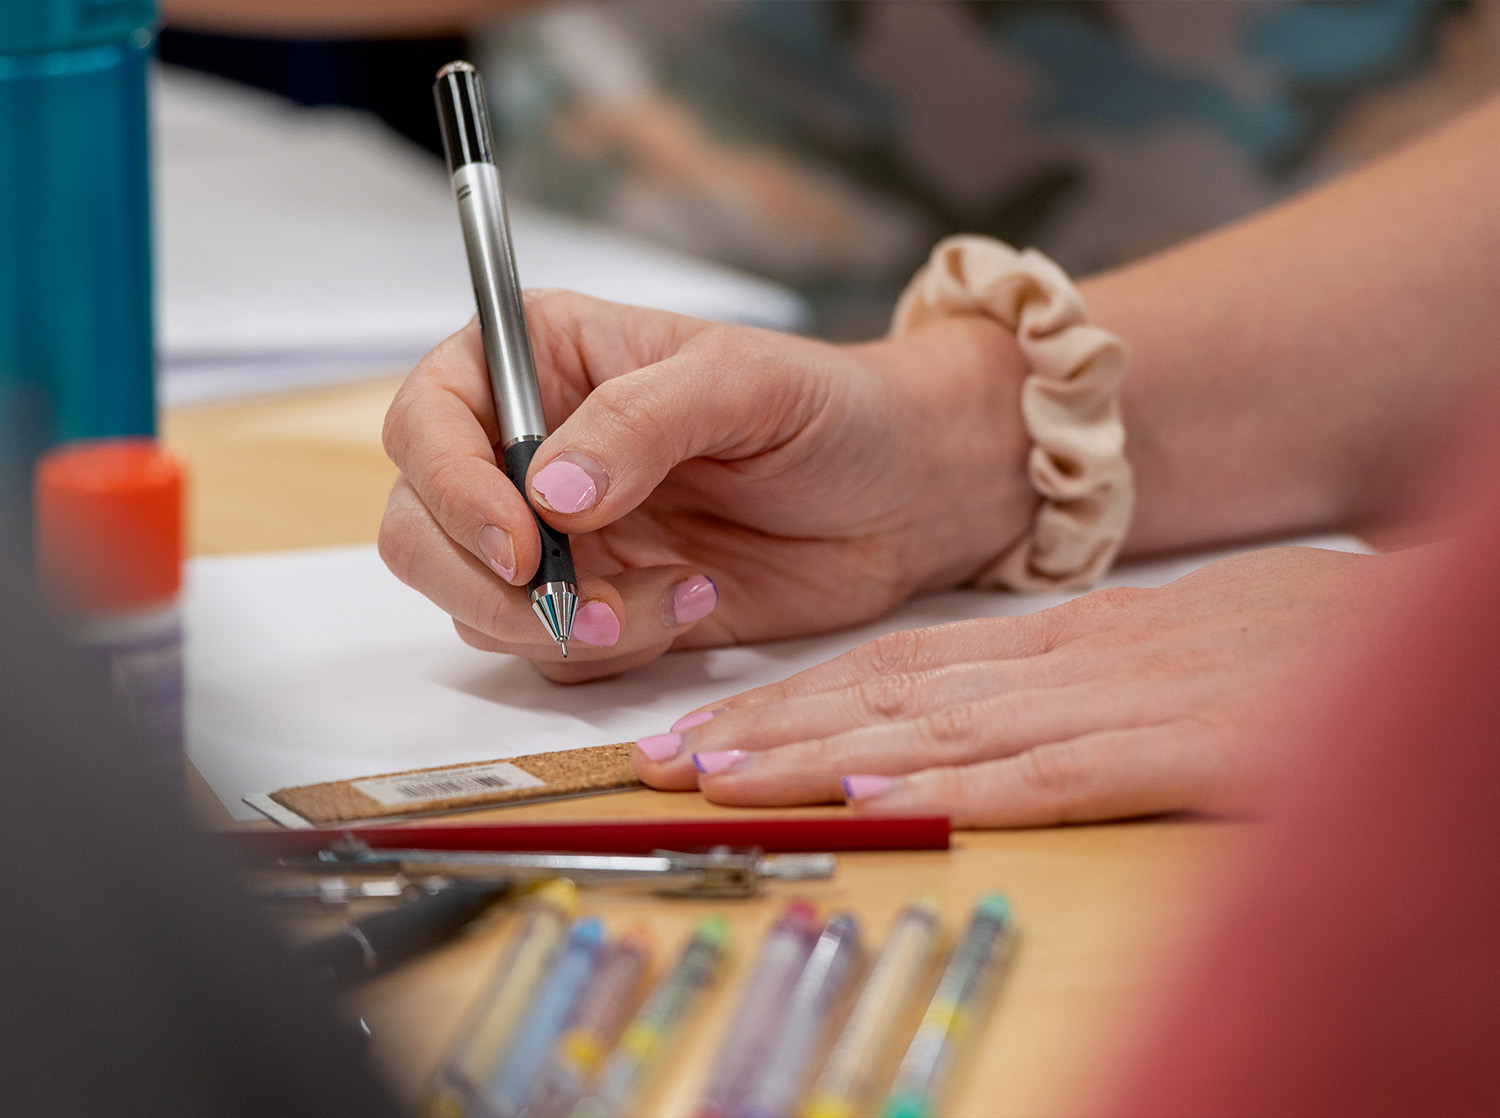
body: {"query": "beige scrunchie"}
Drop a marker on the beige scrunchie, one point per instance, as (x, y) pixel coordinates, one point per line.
(1070, 403)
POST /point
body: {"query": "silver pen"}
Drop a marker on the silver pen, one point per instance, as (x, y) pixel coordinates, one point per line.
(465, 125)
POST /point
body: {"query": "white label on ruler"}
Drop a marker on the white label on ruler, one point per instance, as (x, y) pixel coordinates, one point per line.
(471, 780)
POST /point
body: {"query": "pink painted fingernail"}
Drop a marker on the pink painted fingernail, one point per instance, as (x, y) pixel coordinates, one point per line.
(719, 762)
(494, 546)
(660, 747)
(570, 483)
(865, 787)
(689, 601)
(688, 721)
(595, 623)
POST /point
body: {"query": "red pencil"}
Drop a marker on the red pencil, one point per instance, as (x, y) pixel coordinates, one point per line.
(773, 834)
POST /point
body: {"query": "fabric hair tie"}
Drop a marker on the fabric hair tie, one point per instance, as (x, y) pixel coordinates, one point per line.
(1070, 404)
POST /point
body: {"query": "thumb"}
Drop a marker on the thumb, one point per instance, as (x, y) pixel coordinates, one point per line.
(716, 400)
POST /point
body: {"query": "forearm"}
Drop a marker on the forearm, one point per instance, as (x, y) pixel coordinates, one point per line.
(1290, 369)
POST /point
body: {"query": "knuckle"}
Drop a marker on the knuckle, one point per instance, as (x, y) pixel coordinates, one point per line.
(1037, 633)
(1054, 774)
(951, 725)
(490, 610)
(947, 787)
(547, 300)
(634, 407)
(1111, 599)
(891, 654)
(445, 491)
(725, 342)
(948, 731)
(393, 429)
(885, 697)
(546, 308)
(397, 544)
(822, 755)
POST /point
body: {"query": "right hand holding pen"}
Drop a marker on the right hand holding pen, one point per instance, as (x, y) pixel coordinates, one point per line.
(720, 484)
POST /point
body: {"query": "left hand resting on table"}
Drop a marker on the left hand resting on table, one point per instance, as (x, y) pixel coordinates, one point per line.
(1123, 702)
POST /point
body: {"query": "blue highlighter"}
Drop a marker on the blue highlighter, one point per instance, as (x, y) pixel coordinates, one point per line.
(560, 991)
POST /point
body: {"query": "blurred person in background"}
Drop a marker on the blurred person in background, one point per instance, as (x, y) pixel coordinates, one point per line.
(137, 980)
(828, 143)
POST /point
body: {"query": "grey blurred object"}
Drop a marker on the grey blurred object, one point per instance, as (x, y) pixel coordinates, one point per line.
(722, 872)
(138, 982)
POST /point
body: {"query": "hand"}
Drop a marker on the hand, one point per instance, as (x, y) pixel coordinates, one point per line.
(1122, 702)
(815, 486)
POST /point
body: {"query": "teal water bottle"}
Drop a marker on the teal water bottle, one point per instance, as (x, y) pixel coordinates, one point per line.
(76, 356)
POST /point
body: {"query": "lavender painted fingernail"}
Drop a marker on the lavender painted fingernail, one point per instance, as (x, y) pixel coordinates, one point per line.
(595, 623)
(570, 483)
(722, 761)
(660, 747)
(689, 601)
(495, 549)
(863, 786)
(688, 721)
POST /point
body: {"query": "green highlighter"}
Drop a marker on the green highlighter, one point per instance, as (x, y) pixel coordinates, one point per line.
(659, 1020)
(968, 982)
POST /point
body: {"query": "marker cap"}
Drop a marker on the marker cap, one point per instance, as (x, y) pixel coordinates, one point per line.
(109, 524)
(828, 1106)
(907, 1106)
(560, 892)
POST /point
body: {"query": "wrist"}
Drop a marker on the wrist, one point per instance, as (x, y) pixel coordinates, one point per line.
(1069, 407)
(955, 398)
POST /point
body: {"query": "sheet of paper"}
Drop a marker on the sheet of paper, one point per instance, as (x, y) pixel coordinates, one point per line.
(300, 246)
(319, 665)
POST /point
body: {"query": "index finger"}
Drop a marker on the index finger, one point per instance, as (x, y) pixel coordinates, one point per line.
(440, 432)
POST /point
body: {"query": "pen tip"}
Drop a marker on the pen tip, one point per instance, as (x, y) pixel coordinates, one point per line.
(554, 604)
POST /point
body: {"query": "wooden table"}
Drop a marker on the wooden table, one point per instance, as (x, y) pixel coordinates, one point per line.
(1102, 909)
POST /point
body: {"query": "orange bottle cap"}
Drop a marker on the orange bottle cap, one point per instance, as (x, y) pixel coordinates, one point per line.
(109, 524)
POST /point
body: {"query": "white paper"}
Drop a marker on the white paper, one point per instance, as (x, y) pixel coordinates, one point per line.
(311, 666)
(299, 246)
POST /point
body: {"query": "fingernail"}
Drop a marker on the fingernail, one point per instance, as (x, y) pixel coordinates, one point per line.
(722, 761)
(660, 747)
(688, 721)
(494, 546)
(570, 483)
(595, 623)
(865, 787)
(688, 601)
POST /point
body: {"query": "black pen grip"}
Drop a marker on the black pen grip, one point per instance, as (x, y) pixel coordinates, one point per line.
(388, 939)
(557, 554)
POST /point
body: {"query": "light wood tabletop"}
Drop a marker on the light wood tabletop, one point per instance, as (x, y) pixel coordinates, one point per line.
(1102, 911)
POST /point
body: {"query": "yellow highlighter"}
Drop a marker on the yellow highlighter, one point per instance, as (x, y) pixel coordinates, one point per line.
(487, 1036)
(851, 1075)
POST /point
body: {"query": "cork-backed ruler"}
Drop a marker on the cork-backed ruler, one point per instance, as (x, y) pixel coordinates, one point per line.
(537, 776)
